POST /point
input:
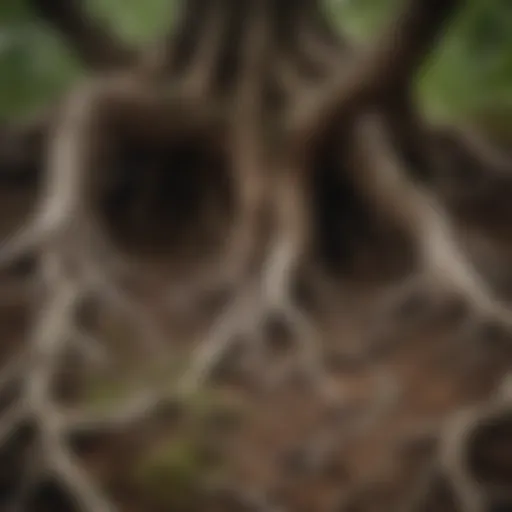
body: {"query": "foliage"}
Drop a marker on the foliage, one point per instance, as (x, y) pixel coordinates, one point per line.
(36, 67)
(471, 72)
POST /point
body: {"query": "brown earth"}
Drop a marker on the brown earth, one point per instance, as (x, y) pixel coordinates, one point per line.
(376, 452)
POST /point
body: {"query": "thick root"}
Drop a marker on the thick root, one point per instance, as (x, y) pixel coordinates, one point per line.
(473, 454)
(35, 405)
(445, 269)
(246, 316)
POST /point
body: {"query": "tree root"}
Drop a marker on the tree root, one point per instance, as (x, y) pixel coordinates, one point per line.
(246, 316)
(74, 270)
(77, 262)
(35, 406)
(69, 277)
(462, 437)
(443, 268)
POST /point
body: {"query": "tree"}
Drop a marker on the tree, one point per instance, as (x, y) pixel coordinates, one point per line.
(295, 119)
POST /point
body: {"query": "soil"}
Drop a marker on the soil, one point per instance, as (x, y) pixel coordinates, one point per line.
(380, 444)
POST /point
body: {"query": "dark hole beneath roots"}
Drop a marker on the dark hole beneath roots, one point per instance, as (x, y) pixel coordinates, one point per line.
(350, 237)
(159, 195)
(14, 456)
(277, 332)
(490, 451)
(23, 267)
(48, 497)
(495, 332)
(501, 506)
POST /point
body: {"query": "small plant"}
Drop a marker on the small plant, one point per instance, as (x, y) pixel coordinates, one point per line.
(174, 472)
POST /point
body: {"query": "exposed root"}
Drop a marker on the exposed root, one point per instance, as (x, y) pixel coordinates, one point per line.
(28, 240)
(13, 371)
(35, 405)
(91, 349)
(68, 280)
(77, 262)
(246, 315)
(453, 461)
(11, 420)
(458, 444)
(443, 266)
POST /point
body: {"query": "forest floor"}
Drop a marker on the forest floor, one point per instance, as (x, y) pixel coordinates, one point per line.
(276, 443)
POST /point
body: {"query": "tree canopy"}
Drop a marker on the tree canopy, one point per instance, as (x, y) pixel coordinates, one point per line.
(469, 77)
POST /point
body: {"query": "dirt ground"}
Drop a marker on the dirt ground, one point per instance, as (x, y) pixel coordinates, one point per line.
(278, 448)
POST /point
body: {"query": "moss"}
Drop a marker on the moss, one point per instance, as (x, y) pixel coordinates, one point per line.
(203, 402)
(173, 473)
(215, 409)
(104, 393)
